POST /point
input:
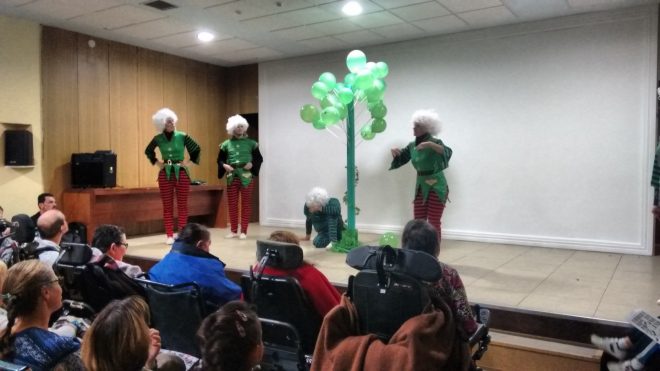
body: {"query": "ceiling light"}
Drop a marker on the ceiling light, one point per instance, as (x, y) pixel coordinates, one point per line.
(205, 36)
(352, 8)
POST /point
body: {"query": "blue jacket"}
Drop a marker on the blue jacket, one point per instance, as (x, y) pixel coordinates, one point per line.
(185, 263)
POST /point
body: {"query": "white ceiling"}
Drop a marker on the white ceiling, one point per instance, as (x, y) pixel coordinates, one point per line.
(251, 31)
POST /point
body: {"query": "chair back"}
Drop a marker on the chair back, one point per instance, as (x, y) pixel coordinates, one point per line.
(177, 312)
(390, 288)
(282, 346)
(282, 298)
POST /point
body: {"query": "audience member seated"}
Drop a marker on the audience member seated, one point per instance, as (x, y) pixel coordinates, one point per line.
(190, 261)
(230, 339)
(420, 235)
(31, 293)
(3, 311)
(120, 339)
(111, 240)
(45, 202)
(52, 226)
(424, 342)
(321, 293)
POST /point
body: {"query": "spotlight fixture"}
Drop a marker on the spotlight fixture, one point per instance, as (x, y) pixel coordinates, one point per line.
(352, 8)
(205, 36)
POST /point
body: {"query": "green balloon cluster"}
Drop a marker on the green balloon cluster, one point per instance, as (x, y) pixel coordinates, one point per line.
(364, 83)
(389, 239)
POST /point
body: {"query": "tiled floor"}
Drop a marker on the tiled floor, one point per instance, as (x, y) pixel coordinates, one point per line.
(589, 284)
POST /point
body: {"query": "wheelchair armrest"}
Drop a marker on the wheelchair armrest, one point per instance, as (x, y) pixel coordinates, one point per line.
(477, 336)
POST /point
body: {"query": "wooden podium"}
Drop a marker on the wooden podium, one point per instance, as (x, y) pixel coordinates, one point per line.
(128, 207)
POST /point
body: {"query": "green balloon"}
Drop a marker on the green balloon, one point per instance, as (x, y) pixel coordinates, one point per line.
(328, 79)
(378, 125)
(376, 91)
(309, 113)
(380, 70)
(349, 79)
(355, 60)
(378, 110)
(329, 115)
(363, 80)
(319, 90)
(367, 133)
(343, 111)
(370, 66)
(330, 100)
(345, 95)
(318, 124)
(389, 239)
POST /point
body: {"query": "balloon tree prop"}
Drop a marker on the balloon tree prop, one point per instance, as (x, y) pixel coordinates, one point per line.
(337, 100)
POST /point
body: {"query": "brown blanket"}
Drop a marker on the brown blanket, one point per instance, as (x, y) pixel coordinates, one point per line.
(427, 342)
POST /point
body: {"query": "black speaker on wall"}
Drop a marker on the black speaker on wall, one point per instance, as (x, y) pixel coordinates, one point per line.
(94, 170)
(18, 148)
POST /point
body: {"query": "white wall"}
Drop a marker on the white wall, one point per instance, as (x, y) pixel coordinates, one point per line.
(551, 123)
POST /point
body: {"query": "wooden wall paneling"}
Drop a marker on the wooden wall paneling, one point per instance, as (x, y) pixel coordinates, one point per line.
(249, 88)
(93, 94)
(124, 130)
(150, 99)
(59, 64)
(174, 88)
(217, 118)
(196, 75)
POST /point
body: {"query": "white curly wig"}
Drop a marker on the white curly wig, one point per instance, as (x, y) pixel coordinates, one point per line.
(234, 121)
(428, 119)
(160, 118)
(317, 195)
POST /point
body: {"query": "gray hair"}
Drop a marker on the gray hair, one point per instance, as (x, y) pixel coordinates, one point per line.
(317, 195)
(428, 119)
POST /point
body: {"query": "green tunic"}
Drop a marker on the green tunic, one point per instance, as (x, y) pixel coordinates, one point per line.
(239, 153)
(173, 151)
(327, 223)
(655, 177)
(429, 165)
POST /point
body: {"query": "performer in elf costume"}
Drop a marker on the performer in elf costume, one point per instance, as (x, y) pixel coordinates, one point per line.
(429, 157)
(324, 213)
(240, 158)
(173, 174)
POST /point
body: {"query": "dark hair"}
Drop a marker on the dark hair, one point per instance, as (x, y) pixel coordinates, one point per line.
(105, 235)
(42, 197)
(20, 294)
(193, 233)
(420, 235)
(228, 336)
(50, 231)
(119, 337)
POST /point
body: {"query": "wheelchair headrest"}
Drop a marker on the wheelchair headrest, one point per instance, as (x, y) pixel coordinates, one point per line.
(417, 264)
(25, 231)
(282, 255)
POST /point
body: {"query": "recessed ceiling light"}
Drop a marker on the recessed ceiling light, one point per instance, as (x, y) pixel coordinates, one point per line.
(205, 36)
(352, 8)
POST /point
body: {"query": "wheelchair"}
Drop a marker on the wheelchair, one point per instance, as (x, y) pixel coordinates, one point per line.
(289, 321)
(392, 287)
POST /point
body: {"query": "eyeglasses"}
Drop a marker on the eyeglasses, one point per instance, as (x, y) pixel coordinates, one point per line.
(124, 243)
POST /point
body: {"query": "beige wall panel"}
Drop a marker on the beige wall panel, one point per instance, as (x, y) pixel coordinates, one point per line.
(216, 118)
(59, 65)
(196, 74)
(150, 99)
(174, 88)
(124, 131)
(93, 94)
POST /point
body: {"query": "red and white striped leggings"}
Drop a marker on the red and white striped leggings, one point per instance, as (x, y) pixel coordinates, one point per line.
(233, 191)
(167, 187)
(430, 211)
